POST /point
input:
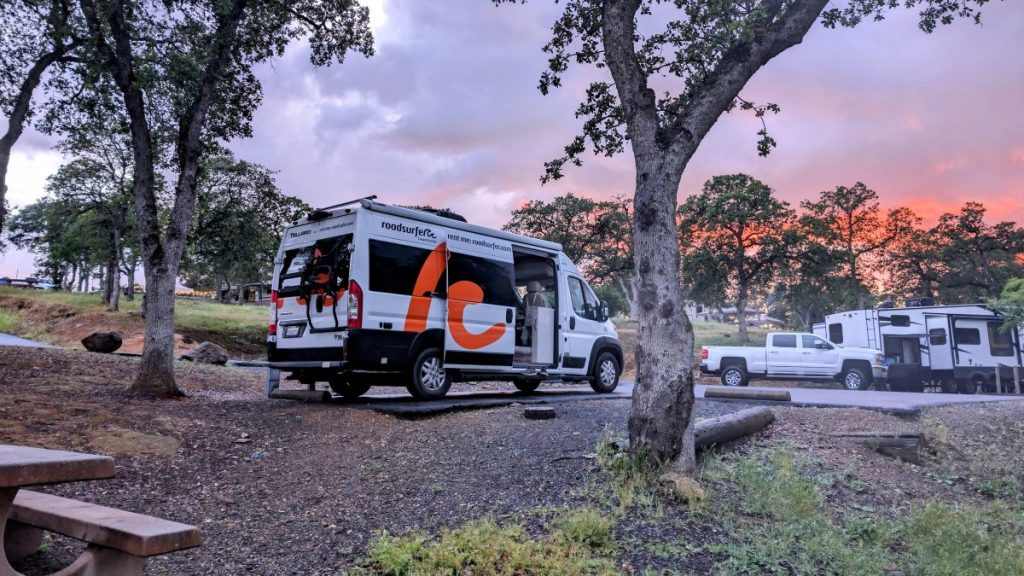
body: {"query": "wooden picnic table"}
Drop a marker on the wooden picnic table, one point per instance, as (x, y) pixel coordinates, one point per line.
(21, 466)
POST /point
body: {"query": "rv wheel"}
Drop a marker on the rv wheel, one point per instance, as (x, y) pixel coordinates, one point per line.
(948, 386)
(734, 376)
(527, 386)
(429, 379)
(855, 379)
(346, 388)
(970, 386)
(606, 373)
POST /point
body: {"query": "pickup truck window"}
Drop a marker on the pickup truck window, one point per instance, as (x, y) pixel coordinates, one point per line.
(813, 342)
(784, 340)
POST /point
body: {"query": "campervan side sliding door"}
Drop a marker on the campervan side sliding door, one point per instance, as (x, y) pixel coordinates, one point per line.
(481, 315)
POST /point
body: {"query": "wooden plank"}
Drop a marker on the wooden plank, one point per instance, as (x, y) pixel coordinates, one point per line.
(135, 534)
(24, 466)
(745, 393)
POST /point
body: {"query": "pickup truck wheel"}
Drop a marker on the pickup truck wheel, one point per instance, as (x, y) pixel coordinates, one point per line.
(606, 373)
(735, 376)
(429, 380)
(347, 389)
(855, 379)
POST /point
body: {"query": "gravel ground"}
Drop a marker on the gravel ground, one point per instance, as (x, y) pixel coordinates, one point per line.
(279, 487)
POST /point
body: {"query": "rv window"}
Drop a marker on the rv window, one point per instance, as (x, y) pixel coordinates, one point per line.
(900, 320)
(584, 303)
(394, 268)
(324, 264)
(497, 279)
(999, 342)
(835, 333)
(784, 340)
(966, 336)
(937, 336)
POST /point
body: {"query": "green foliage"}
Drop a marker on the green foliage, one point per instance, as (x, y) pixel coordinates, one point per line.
(237, 226)
(8, 322)
(596, 235)
(1011, 303)
(736, 236)
(632, 476)
(581, 544)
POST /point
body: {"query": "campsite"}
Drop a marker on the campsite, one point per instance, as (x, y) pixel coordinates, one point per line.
(489, 287)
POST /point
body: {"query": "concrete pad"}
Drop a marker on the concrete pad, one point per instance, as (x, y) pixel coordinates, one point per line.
(10, 340)
(403, 404)
(908, 403)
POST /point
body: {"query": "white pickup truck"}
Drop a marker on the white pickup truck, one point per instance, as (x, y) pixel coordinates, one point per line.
(795, 356)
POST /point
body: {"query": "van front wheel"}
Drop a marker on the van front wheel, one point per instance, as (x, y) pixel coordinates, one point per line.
(606, 373)
(429, 380)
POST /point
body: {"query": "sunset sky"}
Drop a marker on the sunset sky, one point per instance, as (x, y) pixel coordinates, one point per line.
(447, 113)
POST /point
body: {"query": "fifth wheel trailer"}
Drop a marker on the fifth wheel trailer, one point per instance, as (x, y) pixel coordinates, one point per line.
(959, 348)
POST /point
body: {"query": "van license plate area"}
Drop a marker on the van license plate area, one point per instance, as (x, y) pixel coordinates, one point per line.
(294, 331)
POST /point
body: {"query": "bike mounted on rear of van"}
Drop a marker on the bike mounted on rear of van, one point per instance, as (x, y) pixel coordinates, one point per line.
(369, 294)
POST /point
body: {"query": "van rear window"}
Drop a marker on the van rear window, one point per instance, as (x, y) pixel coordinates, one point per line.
(324, 264)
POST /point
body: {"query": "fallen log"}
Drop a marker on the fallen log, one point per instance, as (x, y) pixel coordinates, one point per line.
(747, 393)
(906, 446)
(315, 396)
(722, 429)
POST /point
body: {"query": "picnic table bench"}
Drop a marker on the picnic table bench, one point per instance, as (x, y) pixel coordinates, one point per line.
(118, 542)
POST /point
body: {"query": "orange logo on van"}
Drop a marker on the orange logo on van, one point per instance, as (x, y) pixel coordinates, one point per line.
(461, 295)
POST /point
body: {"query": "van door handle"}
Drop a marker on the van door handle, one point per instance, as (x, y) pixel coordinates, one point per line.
(508, 315)
(572, 323)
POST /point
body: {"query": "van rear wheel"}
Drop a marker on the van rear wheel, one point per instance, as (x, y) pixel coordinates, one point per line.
(346, 388)
(527, 386)
(429, 380)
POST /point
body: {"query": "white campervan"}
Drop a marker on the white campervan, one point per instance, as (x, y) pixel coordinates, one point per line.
(370, 294)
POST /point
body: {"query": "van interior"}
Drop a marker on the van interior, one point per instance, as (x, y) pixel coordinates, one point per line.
(537, 303)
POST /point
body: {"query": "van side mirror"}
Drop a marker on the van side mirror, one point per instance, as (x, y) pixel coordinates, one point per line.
(603, 315)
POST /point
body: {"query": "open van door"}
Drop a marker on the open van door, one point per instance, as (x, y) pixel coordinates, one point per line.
(481, 304)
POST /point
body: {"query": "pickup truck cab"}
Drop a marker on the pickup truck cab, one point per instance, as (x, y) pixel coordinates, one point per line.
(795, 356)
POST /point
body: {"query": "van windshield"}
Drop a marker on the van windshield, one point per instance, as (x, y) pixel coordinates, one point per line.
(322, 265)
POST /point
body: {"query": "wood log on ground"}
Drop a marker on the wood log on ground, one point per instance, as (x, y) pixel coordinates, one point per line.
(906, 446)
(723, 429)
(747, 393)
(321, 396)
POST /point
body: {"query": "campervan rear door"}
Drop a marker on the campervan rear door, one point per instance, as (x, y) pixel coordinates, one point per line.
(481, 314)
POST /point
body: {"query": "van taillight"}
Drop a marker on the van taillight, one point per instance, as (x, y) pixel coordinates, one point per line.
(273, 313)
(703, 353)
(355, 305)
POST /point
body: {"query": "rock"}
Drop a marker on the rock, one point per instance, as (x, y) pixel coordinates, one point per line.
(681, 487)
(102, 342)
(207, 353)
(539, 413)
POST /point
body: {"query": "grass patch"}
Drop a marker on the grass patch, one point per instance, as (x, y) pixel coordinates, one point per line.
(782, 523)
(582, 543)
(8, 321)
(631, 478)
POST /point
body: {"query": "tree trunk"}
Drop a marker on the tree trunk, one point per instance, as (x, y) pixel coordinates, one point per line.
(741, 315)
(70, 286)
(130, 294)
(114, 270)
(628, 287)
(659, 419)
(102, 285)
(156, 370)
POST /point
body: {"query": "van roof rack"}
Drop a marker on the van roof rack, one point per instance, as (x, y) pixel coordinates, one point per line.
(333, 206)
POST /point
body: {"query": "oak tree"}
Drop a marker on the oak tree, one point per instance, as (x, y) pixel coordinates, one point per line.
(670, 81)
(184, 73)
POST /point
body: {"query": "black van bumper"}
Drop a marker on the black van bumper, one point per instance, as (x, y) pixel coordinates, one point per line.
(375, 350)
